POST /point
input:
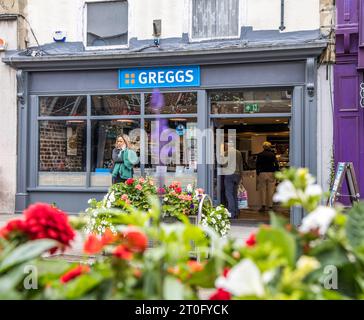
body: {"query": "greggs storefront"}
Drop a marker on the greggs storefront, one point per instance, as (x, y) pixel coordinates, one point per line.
(72, 108)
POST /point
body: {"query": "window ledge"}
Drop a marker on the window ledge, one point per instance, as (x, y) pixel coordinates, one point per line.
(69, 189)
(104, 48)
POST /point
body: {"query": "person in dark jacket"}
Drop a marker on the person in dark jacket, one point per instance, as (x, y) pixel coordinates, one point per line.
(267, 165)
(123, 169)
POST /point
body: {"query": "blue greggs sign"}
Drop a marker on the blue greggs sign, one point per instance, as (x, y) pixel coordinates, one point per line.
(160, 77)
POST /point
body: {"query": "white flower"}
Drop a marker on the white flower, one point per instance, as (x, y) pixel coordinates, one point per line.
(90, 201)
(165, 199)
(244, 279)
(189, 188)
(285, 192)
(320, 218)
(218, 208)
(218, 216)
(228, 213)
(108, 205)
(112, 197)
(313, 190)
(223, 223)
(213, 220)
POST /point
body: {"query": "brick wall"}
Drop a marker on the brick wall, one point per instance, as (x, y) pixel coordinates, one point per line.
(53, 147)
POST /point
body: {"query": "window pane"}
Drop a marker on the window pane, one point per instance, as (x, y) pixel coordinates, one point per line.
(107, 23)
(176, 156)
(104, 135)
(62, 153)
(260, 101)
(62, 106)
(116, 105)
(215, 18)
(174, 103)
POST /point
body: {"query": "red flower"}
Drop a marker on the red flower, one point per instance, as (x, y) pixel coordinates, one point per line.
(93, 245)
(16, 225)
(220, 294)
(161, 191)
(251, 241)
(46, 222)
(129, 181)
(108, 237)
(74, 273)
(178, 190)
(136, 241)
(226, 272)
(122, 252)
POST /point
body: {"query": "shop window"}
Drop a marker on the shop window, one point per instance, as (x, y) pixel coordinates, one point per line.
(104, 135)
(116, 105)
(62, 106)
(62, 153)
(174, 103)
(215, 18)
(250, 102)
(172, 149)
(107, 23)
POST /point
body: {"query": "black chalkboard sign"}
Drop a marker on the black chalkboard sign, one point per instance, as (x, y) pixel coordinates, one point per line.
(345, 170)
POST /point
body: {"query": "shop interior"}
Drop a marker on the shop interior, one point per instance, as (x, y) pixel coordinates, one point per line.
(250, 135)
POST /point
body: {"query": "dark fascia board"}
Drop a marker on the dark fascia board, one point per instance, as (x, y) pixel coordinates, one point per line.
(201, 57)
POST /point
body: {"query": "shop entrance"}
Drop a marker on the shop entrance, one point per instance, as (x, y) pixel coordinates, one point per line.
(250, 131)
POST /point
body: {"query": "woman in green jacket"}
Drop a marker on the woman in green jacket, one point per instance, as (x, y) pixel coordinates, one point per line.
(124, 160)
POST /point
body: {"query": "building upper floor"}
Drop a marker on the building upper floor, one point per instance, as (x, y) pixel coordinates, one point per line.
(114, 23)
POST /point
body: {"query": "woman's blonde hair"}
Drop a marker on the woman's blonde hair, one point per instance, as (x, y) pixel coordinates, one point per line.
(125, 139)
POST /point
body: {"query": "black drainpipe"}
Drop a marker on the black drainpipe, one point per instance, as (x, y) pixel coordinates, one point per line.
(282, 26)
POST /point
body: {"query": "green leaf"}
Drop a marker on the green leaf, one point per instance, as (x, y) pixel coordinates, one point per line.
(11, 279)
(80, 286)
(25, 252)
(172, 289)
(355, 225)
(281, 240)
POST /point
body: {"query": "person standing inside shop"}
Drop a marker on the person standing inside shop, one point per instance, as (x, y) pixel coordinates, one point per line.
(124, 160)
(233, 174)
(267, 165)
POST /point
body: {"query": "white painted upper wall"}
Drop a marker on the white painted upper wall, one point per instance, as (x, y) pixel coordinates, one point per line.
(68, 15)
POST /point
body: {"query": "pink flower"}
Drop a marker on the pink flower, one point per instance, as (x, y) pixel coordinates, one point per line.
(200, 191)
(124, 197)
(161, 191)
(138, 187)
(151, 182)
(141, 180)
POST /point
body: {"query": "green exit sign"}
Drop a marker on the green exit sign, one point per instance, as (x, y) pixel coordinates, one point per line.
(251, 107)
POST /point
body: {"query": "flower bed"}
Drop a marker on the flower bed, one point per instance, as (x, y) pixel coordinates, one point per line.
(176, 204)
(323, 258)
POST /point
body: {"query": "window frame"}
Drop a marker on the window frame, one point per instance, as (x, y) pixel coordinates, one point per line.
(242, 20)
(88, 118)
(84, 26)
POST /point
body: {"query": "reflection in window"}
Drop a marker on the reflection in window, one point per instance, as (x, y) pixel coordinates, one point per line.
(259, 101)
(175, 103)
(107, 23)
(116, 105)
(104, 135)
(62, 153)
(177, 159)
(62, 106)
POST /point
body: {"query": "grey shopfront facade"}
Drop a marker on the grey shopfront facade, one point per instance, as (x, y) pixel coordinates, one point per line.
(87, 75)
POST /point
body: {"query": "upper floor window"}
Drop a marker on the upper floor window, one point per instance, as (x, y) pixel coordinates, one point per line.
(215, 18)
(107, 23)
